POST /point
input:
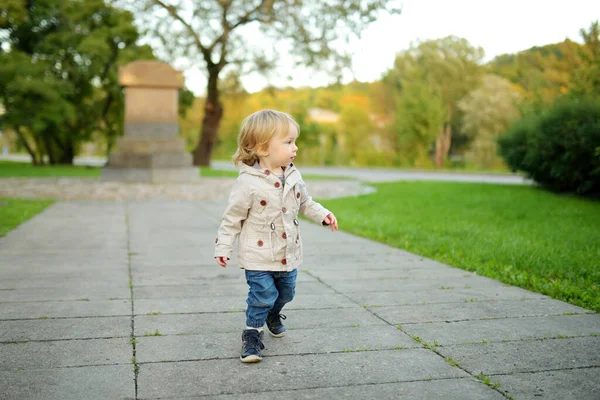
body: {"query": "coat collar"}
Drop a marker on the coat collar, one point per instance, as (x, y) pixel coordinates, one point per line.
(246, 169)
(291, 174)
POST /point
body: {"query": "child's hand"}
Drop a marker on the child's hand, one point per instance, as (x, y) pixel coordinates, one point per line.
(331, 221)
(222, 261)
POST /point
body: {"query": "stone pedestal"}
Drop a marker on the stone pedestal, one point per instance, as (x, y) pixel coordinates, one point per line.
(150, 150)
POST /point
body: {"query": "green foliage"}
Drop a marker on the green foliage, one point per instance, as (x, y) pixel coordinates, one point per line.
(14, 212)
(59, 74)
(586, 80)
(557, 148)
(438, 73)
(543, 72)
(516, 234)
(487, 112)
(420, 114)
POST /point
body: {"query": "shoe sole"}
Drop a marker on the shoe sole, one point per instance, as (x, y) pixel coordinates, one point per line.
(251, 359)
(282, 334)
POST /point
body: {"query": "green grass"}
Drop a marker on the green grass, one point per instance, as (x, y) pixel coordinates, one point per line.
(21, 169)
(16, 211)
(520, 235)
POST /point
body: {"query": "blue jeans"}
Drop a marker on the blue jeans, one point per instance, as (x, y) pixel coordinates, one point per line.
(269, 290)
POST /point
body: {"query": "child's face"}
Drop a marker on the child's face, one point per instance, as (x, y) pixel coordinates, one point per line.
(282, 148)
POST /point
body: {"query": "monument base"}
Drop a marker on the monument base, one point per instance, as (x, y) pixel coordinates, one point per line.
(152, 175)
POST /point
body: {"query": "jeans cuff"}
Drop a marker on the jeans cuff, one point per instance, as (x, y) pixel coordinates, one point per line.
(255, 323)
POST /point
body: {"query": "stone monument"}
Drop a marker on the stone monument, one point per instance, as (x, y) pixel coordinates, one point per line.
(150, 150)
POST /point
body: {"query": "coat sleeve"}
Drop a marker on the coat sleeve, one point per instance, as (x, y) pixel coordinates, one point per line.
(310, 208)
(240, 201)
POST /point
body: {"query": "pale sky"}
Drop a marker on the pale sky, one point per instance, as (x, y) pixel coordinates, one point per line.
(506, 26)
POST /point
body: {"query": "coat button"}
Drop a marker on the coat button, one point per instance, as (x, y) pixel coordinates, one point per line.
(284, 235)
(277, 184)
(260, 243)
(284, 210)
(267, 172)
(263, 203)
(296, 222)
(284, 261)
(298, 195)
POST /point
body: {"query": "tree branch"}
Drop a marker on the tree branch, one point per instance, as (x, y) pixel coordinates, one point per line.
(173, 12)
(23, 140)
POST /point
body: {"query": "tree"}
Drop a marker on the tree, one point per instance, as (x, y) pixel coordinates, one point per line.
(487, 113)
(420, 113)
(58, 73)
(449, 67)
(586, 80)
(543, 72)
(214, 32)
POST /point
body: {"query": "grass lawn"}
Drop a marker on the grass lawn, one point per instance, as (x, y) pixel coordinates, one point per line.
(16, 211)
(21, 169)
(516, 234)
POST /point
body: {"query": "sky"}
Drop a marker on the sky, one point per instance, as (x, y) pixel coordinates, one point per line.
(499, 27)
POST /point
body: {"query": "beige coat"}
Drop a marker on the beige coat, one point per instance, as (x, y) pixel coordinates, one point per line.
(264, 213)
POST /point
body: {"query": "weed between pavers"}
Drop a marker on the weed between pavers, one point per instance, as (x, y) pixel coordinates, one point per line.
(485, 379)
(360, 349)
(155, 333)
(452, 361)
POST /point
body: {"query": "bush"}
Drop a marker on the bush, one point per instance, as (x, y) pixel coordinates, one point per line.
(557, 149)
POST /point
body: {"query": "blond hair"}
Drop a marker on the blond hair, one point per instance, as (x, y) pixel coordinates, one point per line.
(257, 130)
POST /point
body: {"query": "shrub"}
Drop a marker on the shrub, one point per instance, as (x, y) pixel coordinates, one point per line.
(557, 148)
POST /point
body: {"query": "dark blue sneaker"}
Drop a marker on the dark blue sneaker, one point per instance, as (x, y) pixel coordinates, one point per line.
(251, 346)
(276, 327)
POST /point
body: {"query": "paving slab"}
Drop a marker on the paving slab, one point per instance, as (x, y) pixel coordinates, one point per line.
(451, 389)
(383, 274)
(462, 311)
(237, 303)
(415, 284)
(65, 328)
(506, 329)
(194, 275)
(65, 353)
(99, 292)
(577, 384)
(85, 383)
(235, 322)
(291, 372)
(296, 342)
(440, 296)
(528, 356)
(67, 281)
(218, 290)
(64, 309)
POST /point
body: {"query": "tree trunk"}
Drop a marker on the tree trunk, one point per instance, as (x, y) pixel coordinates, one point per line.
(213, 112)
(23, 139)
(442, 145)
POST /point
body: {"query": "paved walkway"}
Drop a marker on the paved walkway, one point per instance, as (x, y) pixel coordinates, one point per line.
(87, 287)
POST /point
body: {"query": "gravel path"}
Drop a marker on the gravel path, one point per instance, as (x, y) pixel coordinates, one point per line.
(207, 189)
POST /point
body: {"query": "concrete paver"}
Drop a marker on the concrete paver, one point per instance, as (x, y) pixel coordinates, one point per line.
(96, 285)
